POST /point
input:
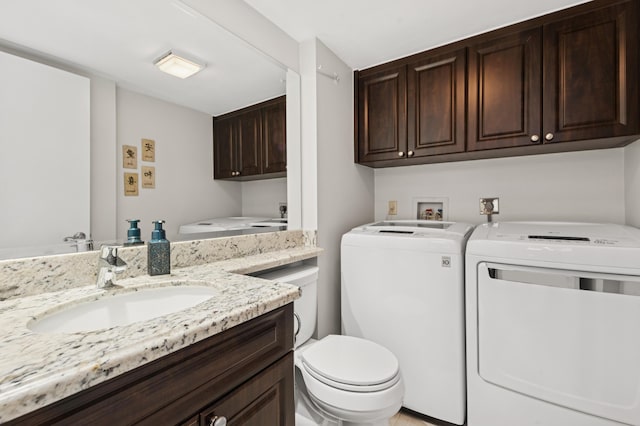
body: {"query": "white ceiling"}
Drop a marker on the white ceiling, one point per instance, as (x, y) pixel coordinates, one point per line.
(120, 39)
(364, 33)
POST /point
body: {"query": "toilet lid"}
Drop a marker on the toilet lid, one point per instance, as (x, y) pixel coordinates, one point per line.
(352, 362)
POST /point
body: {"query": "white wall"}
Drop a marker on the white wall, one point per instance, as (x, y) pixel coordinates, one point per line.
(577, 186)
(263, 197)
(103, 160)
(44, 153)
(185, 190)
(632, 183)
(344, 190)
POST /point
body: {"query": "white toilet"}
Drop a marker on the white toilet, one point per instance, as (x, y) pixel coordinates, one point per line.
(340, 380)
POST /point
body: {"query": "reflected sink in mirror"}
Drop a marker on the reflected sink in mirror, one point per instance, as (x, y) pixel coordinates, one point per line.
(119, 309)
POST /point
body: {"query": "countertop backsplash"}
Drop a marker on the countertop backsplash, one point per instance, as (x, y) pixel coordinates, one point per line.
(36, 275)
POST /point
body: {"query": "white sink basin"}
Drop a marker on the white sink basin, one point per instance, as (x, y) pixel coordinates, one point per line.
(112, 310)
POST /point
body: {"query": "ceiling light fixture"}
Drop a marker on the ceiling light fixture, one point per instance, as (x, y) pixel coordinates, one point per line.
(178, 66)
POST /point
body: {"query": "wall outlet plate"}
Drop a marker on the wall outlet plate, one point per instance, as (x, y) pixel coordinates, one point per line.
(489, 206)
(393, 208)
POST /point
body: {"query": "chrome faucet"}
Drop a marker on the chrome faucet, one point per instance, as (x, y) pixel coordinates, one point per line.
(80, 242)
(109, 265)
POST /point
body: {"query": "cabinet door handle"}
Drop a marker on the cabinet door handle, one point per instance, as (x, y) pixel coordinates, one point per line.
(218, 421)
(548, 136)
(535, 138)
(410, 154)
(400, 154)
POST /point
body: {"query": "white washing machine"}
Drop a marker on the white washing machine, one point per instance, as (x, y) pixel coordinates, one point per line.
(553, 325)
(403, 287)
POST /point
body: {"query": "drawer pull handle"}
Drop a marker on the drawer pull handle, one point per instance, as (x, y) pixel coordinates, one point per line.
(410, 153)
(535, 138)
(548, 136)
(400, 154)
(218, 421)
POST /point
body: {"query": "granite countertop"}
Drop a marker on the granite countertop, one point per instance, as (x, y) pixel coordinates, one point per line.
(39, 369)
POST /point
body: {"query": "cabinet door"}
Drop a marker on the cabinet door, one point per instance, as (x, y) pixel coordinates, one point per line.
(382, 114)
(436, 104)
(274, 137)
(224, 152)
(266, 399)
(590, 88)
(249, 142)
(504, 91)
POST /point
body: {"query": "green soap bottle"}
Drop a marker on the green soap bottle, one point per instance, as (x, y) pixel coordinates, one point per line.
(158, 251)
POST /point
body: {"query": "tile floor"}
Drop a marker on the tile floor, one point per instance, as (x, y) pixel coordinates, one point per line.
(406, 419)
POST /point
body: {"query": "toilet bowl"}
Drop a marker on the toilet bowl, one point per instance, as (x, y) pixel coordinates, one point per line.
(340, 380)
(351, 379)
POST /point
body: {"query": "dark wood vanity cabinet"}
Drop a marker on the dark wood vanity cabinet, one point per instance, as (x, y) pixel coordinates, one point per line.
(413, 108)
(251, 143)
(244, 374)
(562, 82)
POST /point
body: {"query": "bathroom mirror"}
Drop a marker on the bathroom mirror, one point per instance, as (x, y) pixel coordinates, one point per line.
(114, 44)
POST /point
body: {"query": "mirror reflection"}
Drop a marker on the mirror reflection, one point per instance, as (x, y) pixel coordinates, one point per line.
(121, 100)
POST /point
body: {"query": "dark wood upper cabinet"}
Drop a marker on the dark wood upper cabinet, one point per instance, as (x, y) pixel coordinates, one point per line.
(591, 74)
(237, 145)
(382, 114)
(251, 143)
(565, 81)
(224, 147)
(436, 104)
(504, 91)
(274, 137)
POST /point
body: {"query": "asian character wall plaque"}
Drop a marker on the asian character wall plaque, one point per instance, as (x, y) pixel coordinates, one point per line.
(148, 150)
(131, 184)
(148, 177)
(129, 157)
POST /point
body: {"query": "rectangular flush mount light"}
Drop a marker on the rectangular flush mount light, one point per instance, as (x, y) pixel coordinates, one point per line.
(178, 66)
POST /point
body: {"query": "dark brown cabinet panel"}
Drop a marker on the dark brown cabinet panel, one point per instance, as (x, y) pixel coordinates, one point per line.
(237, 145)
(504, 91)
(274, 137)
(590, 65)
(263, 400)
(246, 369)
(225, 149)
(382, 114)
(436, 104)
(251, 143)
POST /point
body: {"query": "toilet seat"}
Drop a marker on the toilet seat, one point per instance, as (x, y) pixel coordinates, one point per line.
(351, 364)
(352, 378)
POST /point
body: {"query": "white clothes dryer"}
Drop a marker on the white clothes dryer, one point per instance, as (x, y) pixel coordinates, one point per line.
(403, 288)
(553, 325)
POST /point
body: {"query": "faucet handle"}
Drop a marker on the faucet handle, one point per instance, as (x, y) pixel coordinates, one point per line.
(109, 253)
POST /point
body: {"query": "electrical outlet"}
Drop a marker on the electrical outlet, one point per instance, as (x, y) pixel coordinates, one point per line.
(393, 208)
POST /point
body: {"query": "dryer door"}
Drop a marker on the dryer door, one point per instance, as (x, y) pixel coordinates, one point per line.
(567, 337)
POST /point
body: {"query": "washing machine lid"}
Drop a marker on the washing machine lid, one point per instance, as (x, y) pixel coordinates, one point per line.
(351, 363)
